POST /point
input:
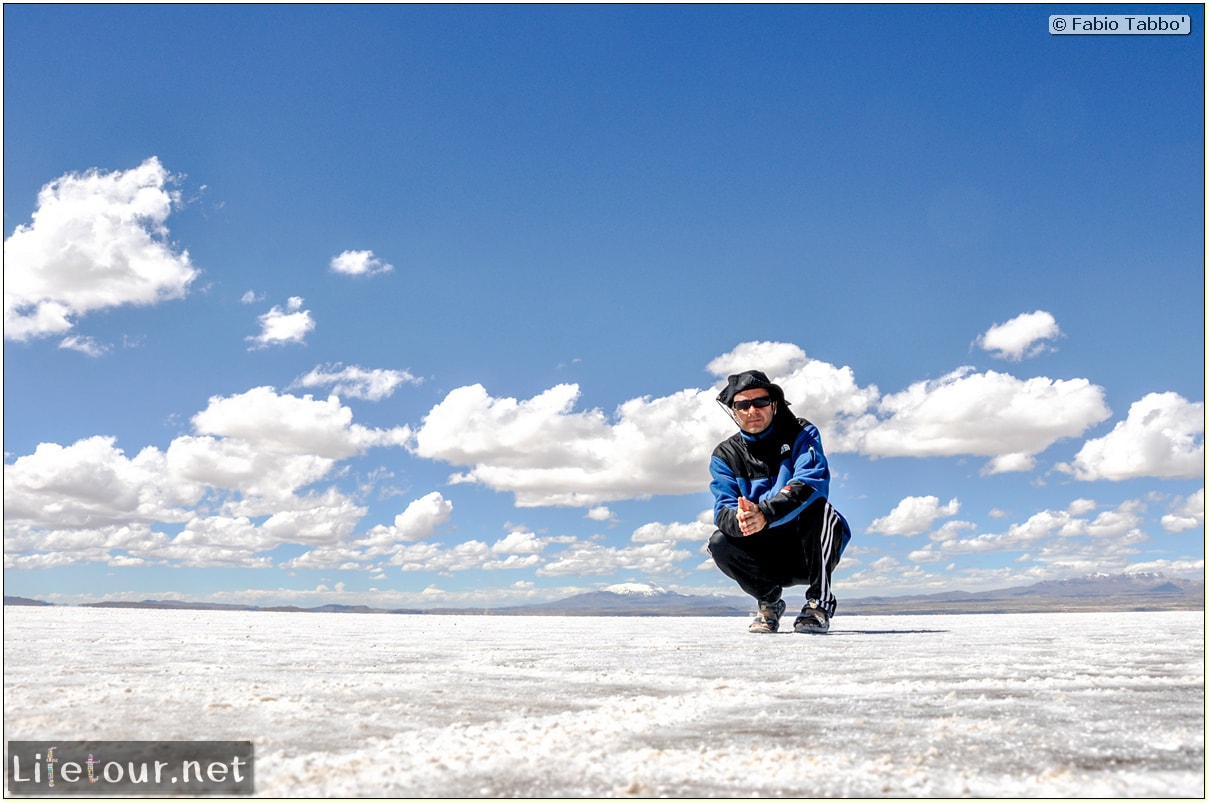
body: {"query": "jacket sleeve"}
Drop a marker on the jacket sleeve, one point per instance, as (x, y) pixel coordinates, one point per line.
(725, 488)
(809, 480)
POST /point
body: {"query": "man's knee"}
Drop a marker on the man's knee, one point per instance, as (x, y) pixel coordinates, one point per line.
(718, 543)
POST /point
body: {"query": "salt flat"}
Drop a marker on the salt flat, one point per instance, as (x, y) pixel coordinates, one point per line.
(1038, 705)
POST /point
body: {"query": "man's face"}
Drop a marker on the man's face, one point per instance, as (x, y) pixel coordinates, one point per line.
(752, 419)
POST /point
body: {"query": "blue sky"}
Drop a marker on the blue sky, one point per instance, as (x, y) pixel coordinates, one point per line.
(414, 306)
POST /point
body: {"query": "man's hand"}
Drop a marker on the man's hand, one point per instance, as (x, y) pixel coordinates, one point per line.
(751, 519)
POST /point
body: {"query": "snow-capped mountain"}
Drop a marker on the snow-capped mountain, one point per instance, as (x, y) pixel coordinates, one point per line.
(636, 589)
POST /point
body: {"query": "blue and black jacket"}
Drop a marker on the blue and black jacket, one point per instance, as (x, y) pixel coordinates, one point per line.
(783, 470)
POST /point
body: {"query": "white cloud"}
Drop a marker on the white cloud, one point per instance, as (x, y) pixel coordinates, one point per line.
(1081, 507)
(467, 556)
(402, 543)
(585, 559)
(84, 345)
(399, 543)
(250, 475)
(1064, 538)
(359, 263)
(1187, 515)
(520, 549)
(285, 424)
(774, 359)
(91, 484)
(355, 382)
(290, 324)
(1050, 545)
(519, 542)
(256, 454)
(1124, 519)
(1163, 436)
(914, 515)
(431, 557)
(248, 480)
(546, 453)
(423, 516)
(659, 533)
(221, 533)
(1023, 336)
(325, 519)
(600, 513)
(97, 240)
(989, 414)
(1005, 463)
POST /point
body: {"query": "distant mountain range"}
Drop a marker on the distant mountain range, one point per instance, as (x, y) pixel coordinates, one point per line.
(1143, 591)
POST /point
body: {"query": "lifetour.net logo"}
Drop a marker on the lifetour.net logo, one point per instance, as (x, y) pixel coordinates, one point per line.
(99, 769)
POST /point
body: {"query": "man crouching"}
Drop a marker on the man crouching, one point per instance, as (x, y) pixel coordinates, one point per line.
(775, 525)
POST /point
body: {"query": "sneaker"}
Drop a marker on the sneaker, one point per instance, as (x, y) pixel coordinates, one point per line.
(768, 618)
(813, 619)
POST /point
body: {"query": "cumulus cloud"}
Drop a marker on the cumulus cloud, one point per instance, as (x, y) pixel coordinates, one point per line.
(355, 382)
(258, 469)
(1047, 545)
(418, 522)
(1005, 463)
(1081, 507)
(256, 455)
(1187, 514)
(97, 240)
(547, 453)
(987, 414)
(422, 517)
(467, 556)
(914, 515)
(594, 559)
(1024, 336)
(92, 483)
(600, 513)
(281, 325)
(653, 551)
(519, 542)
(774, 359)
(659, 533)
(520, 549)
(1163, 436)
(359, 263)
(1061, 536)
(995, 415)
(281, 423)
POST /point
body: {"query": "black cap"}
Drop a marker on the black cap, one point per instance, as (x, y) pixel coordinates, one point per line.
(749, 380)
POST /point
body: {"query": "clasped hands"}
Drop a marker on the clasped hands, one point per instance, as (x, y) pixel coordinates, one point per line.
(751, 518)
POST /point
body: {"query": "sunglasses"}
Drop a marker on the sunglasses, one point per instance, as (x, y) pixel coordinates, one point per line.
(759, 403)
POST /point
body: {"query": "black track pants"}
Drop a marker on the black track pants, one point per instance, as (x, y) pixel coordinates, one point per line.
(802, 553)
